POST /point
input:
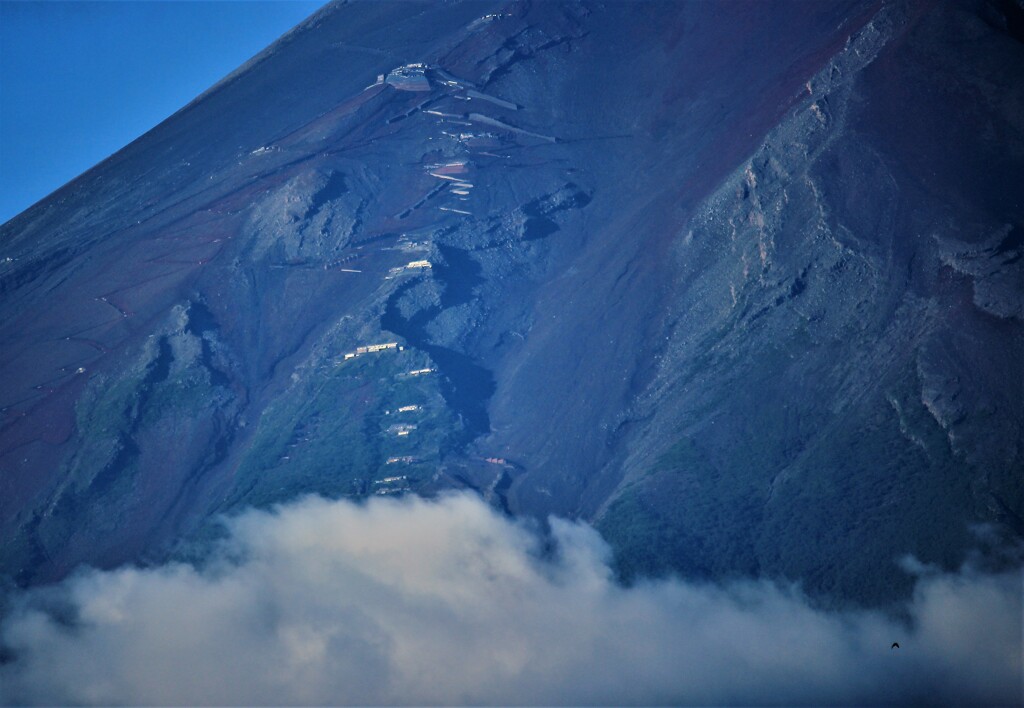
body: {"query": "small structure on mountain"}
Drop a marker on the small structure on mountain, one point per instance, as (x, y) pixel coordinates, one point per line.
(373, 349)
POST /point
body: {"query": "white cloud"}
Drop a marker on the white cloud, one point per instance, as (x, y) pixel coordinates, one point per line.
(420, 602)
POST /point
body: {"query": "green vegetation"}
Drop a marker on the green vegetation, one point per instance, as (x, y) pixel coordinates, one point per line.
(333, 433)
(671, 520)
(163, 403)
(837, 511)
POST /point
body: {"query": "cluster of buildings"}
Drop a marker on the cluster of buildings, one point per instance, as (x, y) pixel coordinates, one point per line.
(404, 409)
(410, 266)
(391, 485)
(373, 349)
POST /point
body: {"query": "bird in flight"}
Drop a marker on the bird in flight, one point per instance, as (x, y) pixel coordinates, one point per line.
(895, 645)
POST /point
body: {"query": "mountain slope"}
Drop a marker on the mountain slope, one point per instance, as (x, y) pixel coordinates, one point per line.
(741, 284)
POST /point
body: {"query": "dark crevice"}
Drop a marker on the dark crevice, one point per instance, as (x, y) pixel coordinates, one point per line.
(519, 54)
(466, 386)
(225, 436)
(1013, 16)
(538, 223)
(538, 227)
(459, 274)
(35, 269)
(200, 321)
(129, 450)
(798, 286)
(334, 189)
(501, 493)
(1013, 241)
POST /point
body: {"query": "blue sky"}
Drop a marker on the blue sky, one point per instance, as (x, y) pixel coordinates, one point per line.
(80, 79)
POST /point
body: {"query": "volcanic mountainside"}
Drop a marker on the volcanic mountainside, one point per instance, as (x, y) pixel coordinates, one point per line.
(738, 283)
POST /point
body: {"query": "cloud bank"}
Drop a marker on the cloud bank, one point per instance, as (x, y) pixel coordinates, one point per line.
(445, 602)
